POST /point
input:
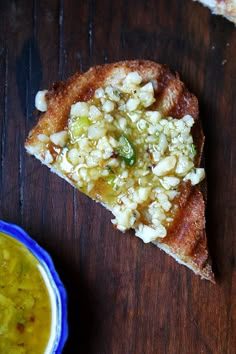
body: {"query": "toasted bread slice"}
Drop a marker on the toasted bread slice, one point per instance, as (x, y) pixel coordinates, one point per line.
(128, 135)
(226, 8)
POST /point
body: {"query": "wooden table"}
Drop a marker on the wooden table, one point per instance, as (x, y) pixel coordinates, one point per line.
(124, 297)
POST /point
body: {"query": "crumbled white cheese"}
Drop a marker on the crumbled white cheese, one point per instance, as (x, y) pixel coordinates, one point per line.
(166, 165)
(96, 132)
(48, 158)
(40, 101)
(94, 113)
(59, 138)
(184, 165)
(149, 234)
(79, 109)
(133, 78)
(108, 106)
(43, 138)
(195, 176)
(132, 104)
(75, 157)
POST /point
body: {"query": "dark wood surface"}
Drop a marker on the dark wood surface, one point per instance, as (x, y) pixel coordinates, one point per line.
(124, 297)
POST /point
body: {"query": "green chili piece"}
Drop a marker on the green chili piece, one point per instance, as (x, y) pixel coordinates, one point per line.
(78, 125)
(194, 150)
(111, 179)
(126, 150)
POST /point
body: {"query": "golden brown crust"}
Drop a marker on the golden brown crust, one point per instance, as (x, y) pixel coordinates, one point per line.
(186, 238)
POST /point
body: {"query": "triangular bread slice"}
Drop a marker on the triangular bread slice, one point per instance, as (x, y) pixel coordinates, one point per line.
(128, 135)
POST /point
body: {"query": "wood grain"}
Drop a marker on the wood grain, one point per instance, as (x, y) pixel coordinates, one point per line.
(124, 297)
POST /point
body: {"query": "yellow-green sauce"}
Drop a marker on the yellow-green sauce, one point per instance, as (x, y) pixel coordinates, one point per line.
(25, 308)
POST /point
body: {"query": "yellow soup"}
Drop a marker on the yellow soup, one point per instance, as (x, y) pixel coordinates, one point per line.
(25, 308)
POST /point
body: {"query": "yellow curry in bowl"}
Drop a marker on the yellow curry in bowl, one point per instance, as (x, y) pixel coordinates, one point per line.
(29, 314)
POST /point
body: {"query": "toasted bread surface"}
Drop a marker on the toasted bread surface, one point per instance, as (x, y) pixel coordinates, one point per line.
(186, 236)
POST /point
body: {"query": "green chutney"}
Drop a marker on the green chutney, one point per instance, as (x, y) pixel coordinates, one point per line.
(25, 307)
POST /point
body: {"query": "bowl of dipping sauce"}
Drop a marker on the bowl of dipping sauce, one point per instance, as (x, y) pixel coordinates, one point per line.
(33, 300)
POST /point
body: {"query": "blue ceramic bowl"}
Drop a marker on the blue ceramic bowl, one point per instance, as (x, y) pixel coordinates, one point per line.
(57, 292)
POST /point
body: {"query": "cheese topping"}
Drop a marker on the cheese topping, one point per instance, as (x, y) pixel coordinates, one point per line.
(125, 154)
(40, 101)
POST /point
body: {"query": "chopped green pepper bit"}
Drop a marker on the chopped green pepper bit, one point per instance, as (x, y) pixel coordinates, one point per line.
(78, 125)
(126, 150)
(194, 150)
(111, 179)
